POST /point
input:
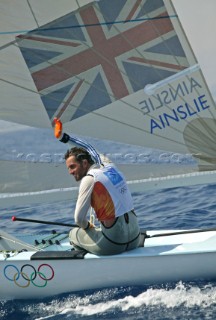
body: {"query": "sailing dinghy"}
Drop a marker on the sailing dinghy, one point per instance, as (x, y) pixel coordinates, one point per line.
(119, 70)
(38, 266)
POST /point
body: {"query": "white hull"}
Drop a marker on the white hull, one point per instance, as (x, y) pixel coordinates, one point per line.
(29, 275)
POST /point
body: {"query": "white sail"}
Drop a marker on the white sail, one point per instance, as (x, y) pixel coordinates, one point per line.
(111, 69)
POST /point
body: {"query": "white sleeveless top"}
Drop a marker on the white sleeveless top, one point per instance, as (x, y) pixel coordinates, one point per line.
(111, 196)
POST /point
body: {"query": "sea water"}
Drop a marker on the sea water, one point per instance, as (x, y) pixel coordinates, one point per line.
(178, 208)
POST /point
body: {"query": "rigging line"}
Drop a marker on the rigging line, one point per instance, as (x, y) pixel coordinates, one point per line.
(86, 25)
(104, 58)
(165, 41)
(72, 105)
(194, 60)
(83, 109)
(77, 77)
(110, 22)
(32, 12)
(18, 242)
(131, 79)
(128, 41)
(78, 5)
(122, 35)
(162, 10)
(169, 50)
(135, 108)
(131, 20)
(19, 31)
(8, 44)
(178, 63)
(15, 44)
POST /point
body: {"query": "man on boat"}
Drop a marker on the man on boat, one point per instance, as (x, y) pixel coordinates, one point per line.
(104, 189)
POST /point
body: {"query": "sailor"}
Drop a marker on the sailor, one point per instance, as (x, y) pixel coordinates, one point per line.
(105, 190)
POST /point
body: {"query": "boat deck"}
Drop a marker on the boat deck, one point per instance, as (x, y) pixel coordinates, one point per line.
(56, 246)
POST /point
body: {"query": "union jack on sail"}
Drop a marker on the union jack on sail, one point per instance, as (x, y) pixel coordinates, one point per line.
(101, 53)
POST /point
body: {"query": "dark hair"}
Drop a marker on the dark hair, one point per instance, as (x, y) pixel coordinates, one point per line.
(79, 154)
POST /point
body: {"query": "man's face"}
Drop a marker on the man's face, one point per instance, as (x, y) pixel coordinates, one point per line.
(77, 169)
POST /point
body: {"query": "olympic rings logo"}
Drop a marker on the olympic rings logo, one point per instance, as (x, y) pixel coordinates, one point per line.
(28, 274)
